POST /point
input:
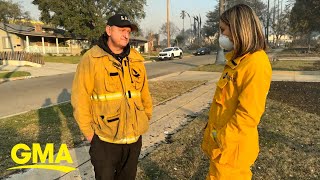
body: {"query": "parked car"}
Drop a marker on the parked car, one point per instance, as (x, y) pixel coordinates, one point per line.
(202, 51)
(170, 53)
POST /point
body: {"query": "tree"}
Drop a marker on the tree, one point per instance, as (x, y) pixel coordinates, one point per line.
(87, 18)
(280, 23)
(211, 26)
(180, 40)
(157, 38)
(305, 16)
(257, 5)
(212, 23)
(10, 11)
(173, 29)
(304, 19)
(183, 15)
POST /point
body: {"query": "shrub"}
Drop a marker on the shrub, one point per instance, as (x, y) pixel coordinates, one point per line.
(83, 51)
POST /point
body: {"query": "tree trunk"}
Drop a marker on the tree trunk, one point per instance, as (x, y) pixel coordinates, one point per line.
(220, 59)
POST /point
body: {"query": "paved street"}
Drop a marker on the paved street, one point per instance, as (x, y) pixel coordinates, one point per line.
(24, 95)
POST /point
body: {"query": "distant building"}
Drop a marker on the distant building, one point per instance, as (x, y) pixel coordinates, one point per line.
(139, 43)
(281, 41)
(39, 39)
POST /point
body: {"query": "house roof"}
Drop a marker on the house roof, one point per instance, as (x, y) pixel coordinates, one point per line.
(59, 33)
(29, 31)
(138, 39)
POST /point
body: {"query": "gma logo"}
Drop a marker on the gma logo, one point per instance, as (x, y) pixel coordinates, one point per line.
(37, 156)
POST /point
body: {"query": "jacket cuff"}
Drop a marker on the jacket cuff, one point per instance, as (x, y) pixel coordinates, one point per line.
(149, 115)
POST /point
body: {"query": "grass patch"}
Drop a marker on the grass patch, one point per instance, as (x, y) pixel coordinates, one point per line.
(209, 68)
(56, 124)
(14, 74)
(298, 52)
(187, 54)
(150, 58)
(48, 125)
(154, 56)
(289, 140)
(163, 90)
(296, 65)
(276, 65)
(63, 59)
(154, 53)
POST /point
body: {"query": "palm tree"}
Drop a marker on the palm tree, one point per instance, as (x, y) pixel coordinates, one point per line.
(183, 15)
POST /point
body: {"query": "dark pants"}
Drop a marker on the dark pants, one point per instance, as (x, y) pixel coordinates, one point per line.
(114, 161)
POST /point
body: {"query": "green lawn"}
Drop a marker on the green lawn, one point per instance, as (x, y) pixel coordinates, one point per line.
(209, 68)
(63, 59)
(14, 74)
(296, 65)
(276, 65)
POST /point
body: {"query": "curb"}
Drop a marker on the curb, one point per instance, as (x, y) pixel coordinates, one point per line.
(166, 76)
(146, 62)
(16, 78)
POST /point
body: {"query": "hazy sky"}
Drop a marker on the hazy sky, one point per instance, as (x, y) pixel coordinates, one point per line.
(156, 13)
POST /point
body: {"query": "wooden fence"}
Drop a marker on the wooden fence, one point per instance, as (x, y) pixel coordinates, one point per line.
(22, 56)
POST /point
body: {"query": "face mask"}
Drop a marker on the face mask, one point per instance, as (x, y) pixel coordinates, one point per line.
(225, 42)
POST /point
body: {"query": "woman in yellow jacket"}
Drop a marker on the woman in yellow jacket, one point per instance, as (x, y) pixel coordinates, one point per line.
(231, 136)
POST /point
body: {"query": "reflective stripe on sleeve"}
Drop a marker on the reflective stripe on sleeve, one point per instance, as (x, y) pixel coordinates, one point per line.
(127, 140)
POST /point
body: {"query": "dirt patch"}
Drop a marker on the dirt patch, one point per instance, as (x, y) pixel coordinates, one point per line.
(162, 90)
(289, 143)
(303, 95)
(181, 159)
(289, 140)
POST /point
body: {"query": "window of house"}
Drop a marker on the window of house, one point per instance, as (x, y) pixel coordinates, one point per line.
(6, 43)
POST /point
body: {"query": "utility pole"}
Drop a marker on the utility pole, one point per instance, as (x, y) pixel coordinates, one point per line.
(274, 21)
(168, 23)
(268, 18)
(183, 15)
(199, 27)
(190, 22)
(220, 59)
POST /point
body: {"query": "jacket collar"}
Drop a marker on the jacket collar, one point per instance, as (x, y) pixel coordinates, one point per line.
(97, 52)
(233, 63)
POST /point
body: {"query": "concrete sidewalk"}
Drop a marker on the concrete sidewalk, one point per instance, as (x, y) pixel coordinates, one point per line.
(49, 69)
(298, 76)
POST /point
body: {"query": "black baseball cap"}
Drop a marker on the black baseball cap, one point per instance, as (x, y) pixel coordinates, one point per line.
(121, 20)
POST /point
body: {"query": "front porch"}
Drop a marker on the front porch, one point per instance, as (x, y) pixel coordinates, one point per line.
(51, 45)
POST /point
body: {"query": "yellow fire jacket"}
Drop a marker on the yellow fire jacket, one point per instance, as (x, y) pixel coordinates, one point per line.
(231, 136)
(111, 99)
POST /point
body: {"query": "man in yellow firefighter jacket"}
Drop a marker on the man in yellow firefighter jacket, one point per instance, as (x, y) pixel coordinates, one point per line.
(111, 101)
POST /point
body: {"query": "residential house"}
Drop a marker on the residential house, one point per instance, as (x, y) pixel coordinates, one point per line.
(47, 40)
(139, 43)
(38, 39)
